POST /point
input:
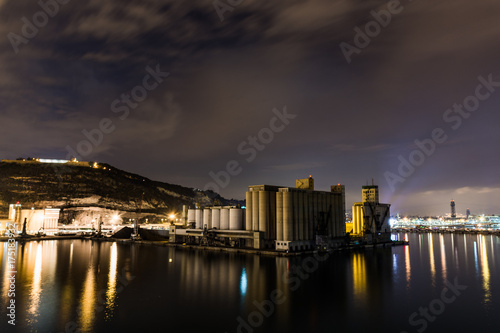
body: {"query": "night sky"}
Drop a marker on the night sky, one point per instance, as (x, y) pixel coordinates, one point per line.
(340, 90)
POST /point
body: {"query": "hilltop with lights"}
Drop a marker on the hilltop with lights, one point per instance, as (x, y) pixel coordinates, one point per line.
(68, 184)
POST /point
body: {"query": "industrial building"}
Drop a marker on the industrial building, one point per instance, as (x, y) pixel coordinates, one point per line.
(37, 219)
(276, 217)
(296, 218)
(213, 226)
(370, 218)
(220, 218)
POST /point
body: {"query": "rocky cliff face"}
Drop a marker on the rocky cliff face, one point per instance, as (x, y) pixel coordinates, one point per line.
(38, 185)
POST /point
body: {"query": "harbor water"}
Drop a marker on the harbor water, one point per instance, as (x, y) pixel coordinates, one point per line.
(438, 283)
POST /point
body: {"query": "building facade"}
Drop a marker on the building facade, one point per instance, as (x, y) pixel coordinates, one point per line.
(293, 218)
(370, 218)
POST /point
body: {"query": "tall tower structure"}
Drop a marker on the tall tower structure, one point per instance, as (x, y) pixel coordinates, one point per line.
(370, 217)
(453, 212)
(468, 213)
(370, 194)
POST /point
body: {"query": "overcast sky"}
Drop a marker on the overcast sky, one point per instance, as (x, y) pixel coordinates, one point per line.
(286, 89)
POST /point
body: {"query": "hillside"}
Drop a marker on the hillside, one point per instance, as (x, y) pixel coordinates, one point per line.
(38, 185)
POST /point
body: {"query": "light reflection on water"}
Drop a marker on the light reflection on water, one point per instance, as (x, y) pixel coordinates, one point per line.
(111, 292)
(431, 257)
(87, 301)
(359, 277)
(243, 283)
(407, 264)
(485, 269)
(443, 256)
(36, 285)
(90, 283)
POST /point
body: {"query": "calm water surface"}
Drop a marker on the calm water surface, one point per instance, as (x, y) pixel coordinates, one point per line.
(440, 283)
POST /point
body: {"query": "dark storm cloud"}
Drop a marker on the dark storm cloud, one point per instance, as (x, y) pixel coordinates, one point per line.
(353, 120)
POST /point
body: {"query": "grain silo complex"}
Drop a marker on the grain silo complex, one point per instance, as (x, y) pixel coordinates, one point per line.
(291, 218)
(276, 217)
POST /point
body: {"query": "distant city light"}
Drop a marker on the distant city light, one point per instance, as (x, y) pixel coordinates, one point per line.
(47, 160)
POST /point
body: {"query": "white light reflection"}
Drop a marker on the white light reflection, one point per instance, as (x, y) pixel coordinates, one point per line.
(36, 289)
(475, 258)
(432, 261)
(395, 263)
(70, 255)
(408, 266)
(485, 269)
(111, 292)
(465, 252)
(443, 256)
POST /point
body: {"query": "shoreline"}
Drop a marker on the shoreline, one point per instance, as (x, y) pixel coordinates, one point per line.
(265, 252)
(449, 231)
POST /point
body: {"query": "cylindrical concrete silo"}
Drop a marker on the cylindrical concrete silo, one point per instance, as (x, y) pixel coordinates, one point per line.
(235, 219)
(342, 216)
(279, 216)
(199, 219)
(191, 217)
(248, 220)
(354, 220)
(324, 203)
(295, 220)
(316, 211)
(333, 215)
(311, 215)
(263, 212)
(255, 211)
(207, 217)
(359, 211)
(300, 218)
(272, 216)
(224, 219)
(322, 200)
(287, 216)
(216, 218)
(341, 208)
(357, 218)
(306, 215)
